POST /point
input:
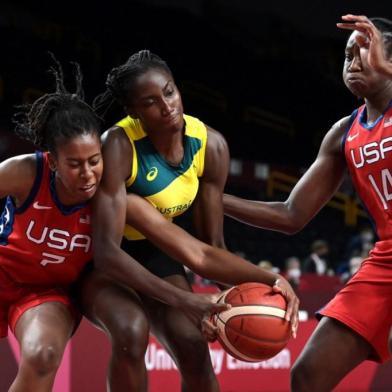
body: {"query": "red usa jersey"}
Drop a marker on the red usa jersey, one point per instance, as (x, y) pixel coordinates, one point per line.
(368, 151)
(43, 242)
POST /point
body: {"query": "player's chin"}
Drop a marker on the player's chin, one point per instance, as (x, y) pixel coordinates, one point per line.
(174, 123)
(358, 89)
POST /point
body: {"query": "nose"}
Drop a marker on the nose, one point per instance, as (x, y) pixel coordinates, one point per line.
(86, 171)
(166, 107)
(356, 64)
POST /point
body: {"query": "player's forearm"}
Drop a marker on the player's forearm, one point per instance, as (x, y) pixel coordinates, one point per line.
(268, 215)
(208, 261)
(126, 270)
(225, 267)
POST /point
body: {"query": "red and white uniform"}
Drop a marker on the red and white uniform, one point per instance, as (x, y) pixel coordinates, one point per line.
(365, 303)
(43, 248)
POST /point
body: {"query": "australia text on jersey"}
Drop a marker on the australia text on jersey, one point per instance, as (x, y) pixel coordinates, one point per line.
(174, 209)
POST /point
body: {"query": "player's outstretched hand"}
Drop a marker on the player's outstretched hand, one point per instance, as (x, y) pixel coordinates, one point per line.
(371, 38)
(200, 308)
(283, 286)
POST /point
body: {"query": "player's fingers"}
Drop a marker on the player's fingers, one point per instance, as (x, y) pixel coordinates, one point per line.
(290, 307)
(289, 299)
(207, 336)
(346, 26)
(369, 28)
(351, 26)
(362, 40)
(209, 330)
(365, 27)
(215, 297)
(355, 18)
(209, 325)
(294, 327)
(295, 320)
(220, 307)
(276, 287)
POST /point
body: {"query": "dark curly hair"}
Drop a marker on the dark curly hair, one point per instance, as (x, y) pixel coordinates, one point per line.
(58, 116)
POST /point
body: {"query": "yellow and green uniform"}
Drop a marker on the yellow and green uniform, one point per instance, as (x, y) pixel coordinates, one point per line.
(170, 189)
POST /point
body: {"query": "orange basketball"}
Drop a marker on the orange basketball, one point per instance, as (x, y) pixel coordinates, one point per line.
(254, 329)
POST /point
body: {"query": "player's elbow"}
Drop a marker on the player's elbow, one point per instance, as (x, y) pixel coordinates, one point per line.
(196, 260)
(291, 225)
(292, 222)
(291, 228)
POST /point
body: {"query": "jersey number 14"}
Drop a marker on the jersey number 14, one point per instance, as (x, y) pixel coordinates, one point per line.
(384, 194)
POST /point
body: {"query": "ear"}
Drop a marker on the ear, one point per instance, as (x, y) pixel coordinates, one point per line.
(52, 161)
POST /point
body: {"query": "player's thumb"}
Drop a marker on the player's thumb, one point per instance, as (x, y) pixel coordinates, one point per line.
(276, 289)
(220, 307)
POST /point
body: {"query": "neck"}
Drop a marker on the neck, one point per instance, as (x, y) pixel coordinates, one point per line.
(169, 145)
(63, 195)
(378, 103)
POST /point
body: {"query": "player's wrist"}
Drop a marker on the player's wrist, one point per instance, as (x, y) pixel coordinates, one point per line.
(175, 297)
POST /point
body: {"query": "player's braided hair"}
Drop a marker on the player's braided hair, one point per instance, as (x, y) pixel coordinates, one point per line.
(385, 26)
(120, 80)
(58, 116)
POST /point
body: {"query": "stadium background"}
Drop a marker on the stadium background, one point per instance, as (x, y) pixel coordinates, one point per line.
(265, 74)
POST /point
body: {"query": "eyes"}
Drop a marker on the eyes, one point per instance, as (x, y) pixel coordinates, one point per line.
(150, 101)
(354, 49)
(348, 57)
(92, 162)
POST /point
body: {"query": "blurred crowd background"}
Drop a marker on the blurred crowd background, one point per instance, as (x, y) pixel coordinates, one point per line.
(265, 74)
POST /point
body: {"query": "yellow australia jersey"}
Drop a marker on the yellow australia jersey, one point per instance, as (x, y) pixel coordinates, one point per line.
(170, 189)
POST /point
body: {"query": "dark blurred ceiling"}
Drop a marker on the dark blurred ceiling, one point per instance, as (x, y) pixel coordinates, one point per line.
(266, 74)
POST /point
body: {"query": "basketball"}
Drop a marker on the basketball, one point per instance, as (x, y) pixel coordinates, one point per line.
(254, 329)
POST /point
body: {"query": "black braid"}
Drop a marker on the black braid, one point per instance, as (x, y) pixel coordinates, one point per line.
(120, 80)
(59, 116)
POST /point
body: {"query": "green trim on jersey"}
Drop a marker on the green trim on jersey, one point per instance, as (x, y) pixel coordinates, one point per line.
(170, 189)
(154, 172)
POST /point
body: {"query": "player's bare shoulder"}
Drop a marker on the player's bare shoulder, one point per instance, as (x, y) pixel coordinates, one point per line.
(115, 137)
(216, 141)
(217, 156)
(117, 152)
(332, 142)
(17, 175)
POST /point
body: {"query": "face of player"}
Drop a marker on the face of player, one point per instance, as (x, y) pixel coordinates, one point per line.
(78, 165)
(359, 78)
(156, 102)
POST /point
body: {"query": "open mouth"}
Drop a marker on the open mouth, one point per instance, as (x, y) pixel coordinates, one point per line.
(88, 188)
